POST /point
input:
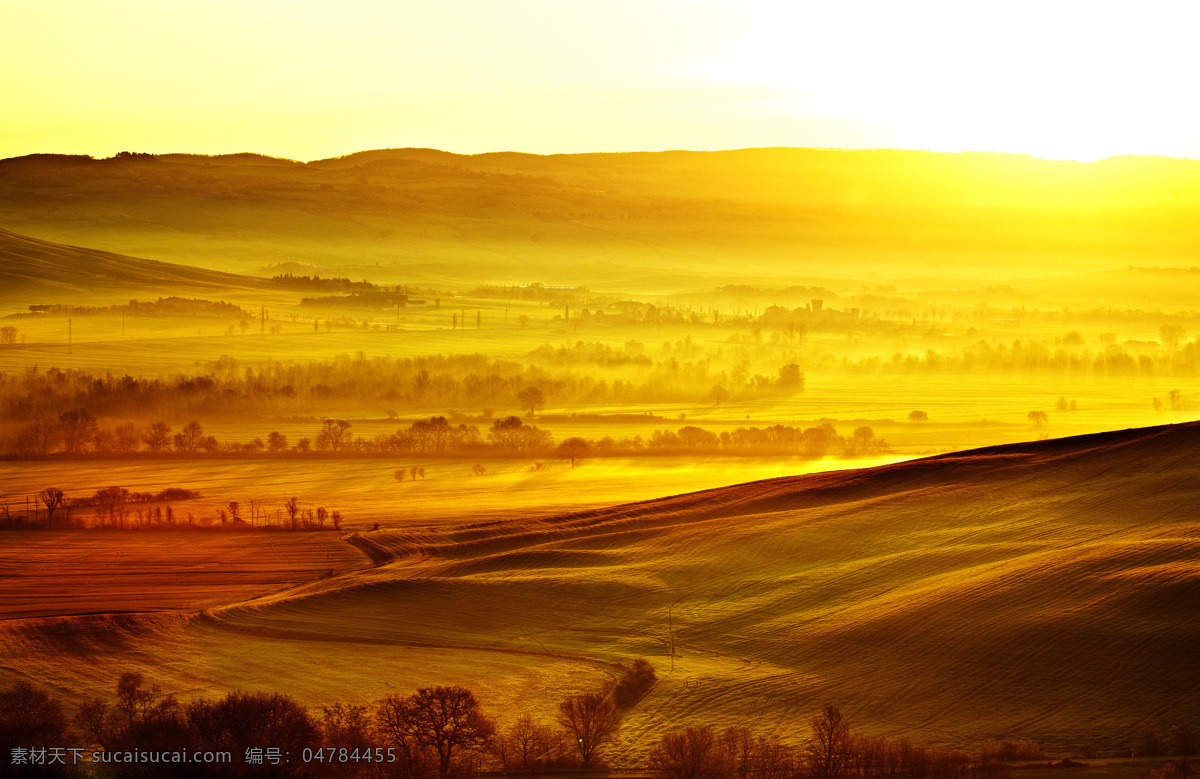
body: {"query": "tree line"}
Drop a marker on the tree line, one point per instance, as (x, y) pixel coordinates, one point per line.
(230, 389)
(77, 433)
(116, 508)
(444, 732)
(438, 731)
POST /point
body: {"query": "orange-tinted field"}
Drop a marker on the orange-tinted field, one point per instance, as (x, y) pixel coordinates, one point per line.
(1044, 590)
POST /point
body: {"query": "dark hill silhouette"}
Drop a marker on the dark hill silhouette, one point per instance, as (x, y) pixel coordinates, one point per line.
(32, 265)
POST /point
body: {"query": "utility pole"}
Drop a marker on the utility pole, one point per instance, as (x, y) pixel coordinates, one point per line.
(122, 321)
(262, 314)
(69, 336)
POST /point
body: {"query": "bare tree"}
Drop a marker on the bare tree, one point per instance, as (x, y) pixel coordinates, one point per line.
(127, 437)
(421, 383)
(394, 724)
(92, 719)
(334, 434)
(523, 746)
(694, 753)
(40, 436)
(140, 703)
(157, 436)
(78, 428)
(52, 498)
(292, 507)
(446, 720)
(190, 438)
(829, 746)
(592, 719)
(30, 717)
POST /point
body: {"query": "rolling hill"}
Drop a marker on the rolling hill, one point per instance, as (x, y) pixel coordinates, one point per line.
(29, 265)
(1048, 590)
(613, 220)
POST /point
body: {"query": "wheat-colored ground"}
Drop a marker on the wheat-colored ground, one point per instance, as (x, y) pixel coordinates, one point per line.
(1047, 590)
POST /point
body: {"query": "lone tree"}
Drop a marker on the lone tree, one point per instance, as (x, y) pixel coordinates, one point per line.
(292, 507)
(791, 377)
(532, 399)
(335, 433)
(52, 498)
(157, 437)
(276, 442)
(445, 719)
(918, 416)
(592, 719)
(1039, 418)
(8, 335)
(634, 684)
(1171, 335)
(190, 438)
(829, 748)
(573, 449)
(718, 395)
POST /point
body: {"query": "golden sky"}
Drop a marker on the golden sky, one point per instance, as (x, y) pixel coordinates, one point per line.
(307, 80)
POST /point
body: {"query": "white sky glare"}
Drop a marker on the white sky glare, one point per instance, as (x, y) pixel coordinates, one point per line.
(309, 80)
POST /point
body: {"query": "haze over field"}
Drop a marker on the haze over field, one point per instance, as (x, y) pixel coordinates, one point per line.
(625, 223)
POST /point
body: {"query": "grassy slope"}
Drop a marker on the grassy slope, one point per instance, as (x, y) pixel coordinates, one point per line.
(1046, 590)
(33, 266)
(626, 221)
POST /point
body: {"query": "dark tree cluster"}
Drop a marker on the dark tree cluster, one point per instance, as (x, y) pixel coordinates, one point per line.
(777, 439)
(226, 389)
(168, 306)
(116, 508)
(315, 282)
(439, 731)
(831, 752)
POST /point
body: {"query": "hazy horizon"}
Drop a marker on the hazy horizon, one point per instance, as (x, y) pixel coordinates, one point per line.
(583, 152)
(1058, 81)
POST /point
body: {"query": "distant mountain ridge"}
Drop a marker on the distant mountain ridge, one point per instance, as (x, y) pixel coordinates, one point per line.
(509, 216)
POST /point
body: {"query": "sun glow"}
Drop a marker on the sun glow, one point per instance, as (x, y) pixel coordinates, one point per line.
(1052, 80)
